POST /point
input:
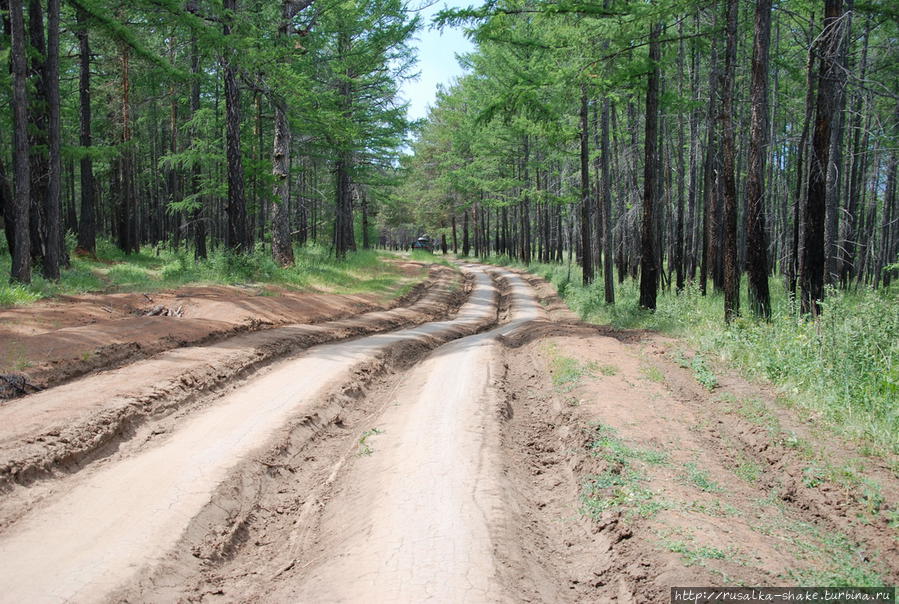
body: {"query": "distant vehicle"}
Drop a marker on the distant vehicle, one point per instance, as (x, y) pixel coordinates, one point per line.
(423, 243)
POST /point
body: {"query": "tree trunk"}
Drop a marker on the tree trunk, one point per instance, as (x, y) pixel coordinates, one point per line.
(87, 224)
(586, 240)
(199, 221)
(38, 109)
(606, 195)
(282, 248)
(236, 234)
(756, 244)
(465, 244)
(648, 263)
(21, 250)
(344, 239)
(53, 202)
(813, 253)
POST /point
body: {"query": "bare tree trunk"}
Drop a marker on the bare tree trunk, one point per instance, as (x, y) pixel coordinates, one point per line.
(756, 244)
(87, 224)
(812, 278)
(21, 250)
(607, 238)
(586, 240)
(801, 167)
(236, 234)
(649, 276)
(53, 201)
(282, 249)
(38, 116)
(709, 217)
(344, 239)
(731, 262)
(197, 217)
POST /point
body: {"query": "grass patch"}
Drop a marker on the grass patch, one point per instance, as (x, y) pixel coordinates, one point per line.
(567, 372)
(610, 490)
(363, 271)
(700, 479)
(694, 554)
(653, 374)
(620, 486)
(844, 366)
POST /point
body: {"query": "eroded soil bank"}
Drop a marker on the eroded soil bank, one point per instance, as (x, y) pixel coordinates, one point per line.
(52, 341)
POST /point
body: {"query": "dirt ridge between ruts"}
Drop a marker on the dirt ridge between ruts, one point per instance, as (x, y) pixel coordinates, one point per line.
(78, 358)
(119, 406)
(299, 454)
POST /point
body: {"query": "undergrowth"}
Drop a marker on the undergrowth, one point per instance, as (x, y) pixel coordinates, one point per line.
(363, 271)
(844, 366)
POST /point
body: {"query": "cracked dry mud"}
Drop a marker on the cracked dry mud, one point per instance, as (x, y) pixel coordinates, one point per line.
(507, 453)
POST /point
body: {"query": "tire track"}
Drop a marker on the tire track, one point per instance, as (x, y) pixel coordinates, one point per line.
(127, 515)
(434, 512)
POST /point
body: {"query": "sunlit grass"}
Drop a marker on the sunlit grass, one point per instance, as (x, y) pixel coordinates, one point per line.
(844, 366)
(316, 268)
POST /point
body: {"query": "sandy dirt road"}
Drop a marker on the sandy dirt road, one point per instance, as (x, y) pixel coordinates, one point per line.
(511, 454)
(434, 503)
(94, 537)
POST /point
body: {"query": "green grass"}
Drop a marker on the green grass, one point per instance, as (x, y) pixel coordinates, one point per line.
(567, 372)
(620, 485)
(364, 271)
(364, 447)
(694, 555)
(700, 479)
(844, 367)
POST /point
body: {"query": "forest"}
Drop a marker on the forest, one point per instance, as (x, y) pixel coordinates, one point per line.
(674, 143)
(208, 125)
(671, 142)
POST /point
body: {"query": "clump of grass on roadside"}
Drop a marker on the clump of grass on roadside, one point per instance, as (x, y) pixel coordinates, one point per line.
(620, 485)
(567, 372)
(844, 366)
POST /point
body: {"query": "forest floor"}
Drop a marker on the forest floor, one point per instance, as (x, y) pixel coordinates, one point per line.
(475, 443)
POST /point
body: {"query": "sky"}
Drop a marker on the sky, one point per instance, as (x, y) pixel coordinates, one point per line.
(437, 62)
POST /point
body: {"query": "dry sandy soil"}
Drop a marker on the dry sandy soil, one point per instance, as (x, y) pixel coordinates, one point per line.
(55, 340)
(477, 444)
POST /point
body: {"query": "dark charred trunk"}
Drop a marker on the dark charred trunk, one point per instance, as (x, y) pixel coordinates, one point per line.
(648, 263)
(586, 240)
(236, 233)
(812, 278)
(21, 249)
(756, 242)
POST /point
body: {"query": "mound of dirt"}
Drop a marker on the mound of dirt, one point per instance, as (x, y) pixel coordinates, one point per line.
(53, 341)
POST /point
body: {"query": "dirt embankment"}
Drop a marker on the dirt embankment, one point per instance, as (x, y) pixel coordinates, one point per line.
(632, 477)
(53, 341)
(63, 428)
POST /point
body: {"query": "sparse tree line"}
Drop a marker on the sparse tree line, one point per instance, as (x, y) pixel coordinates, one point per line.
(673, 142)
(196, 123)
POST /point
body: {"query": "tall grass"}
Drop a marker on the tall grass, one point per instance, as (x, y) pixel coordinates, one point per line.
(844, 366)
(364, 271)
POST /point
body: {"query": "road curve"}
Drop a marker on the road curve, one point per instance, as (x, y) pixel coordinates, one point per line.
(124, 516)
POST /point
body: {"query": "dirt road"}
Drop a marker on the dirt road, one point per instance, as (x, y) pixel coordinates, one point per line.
(508, 453)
